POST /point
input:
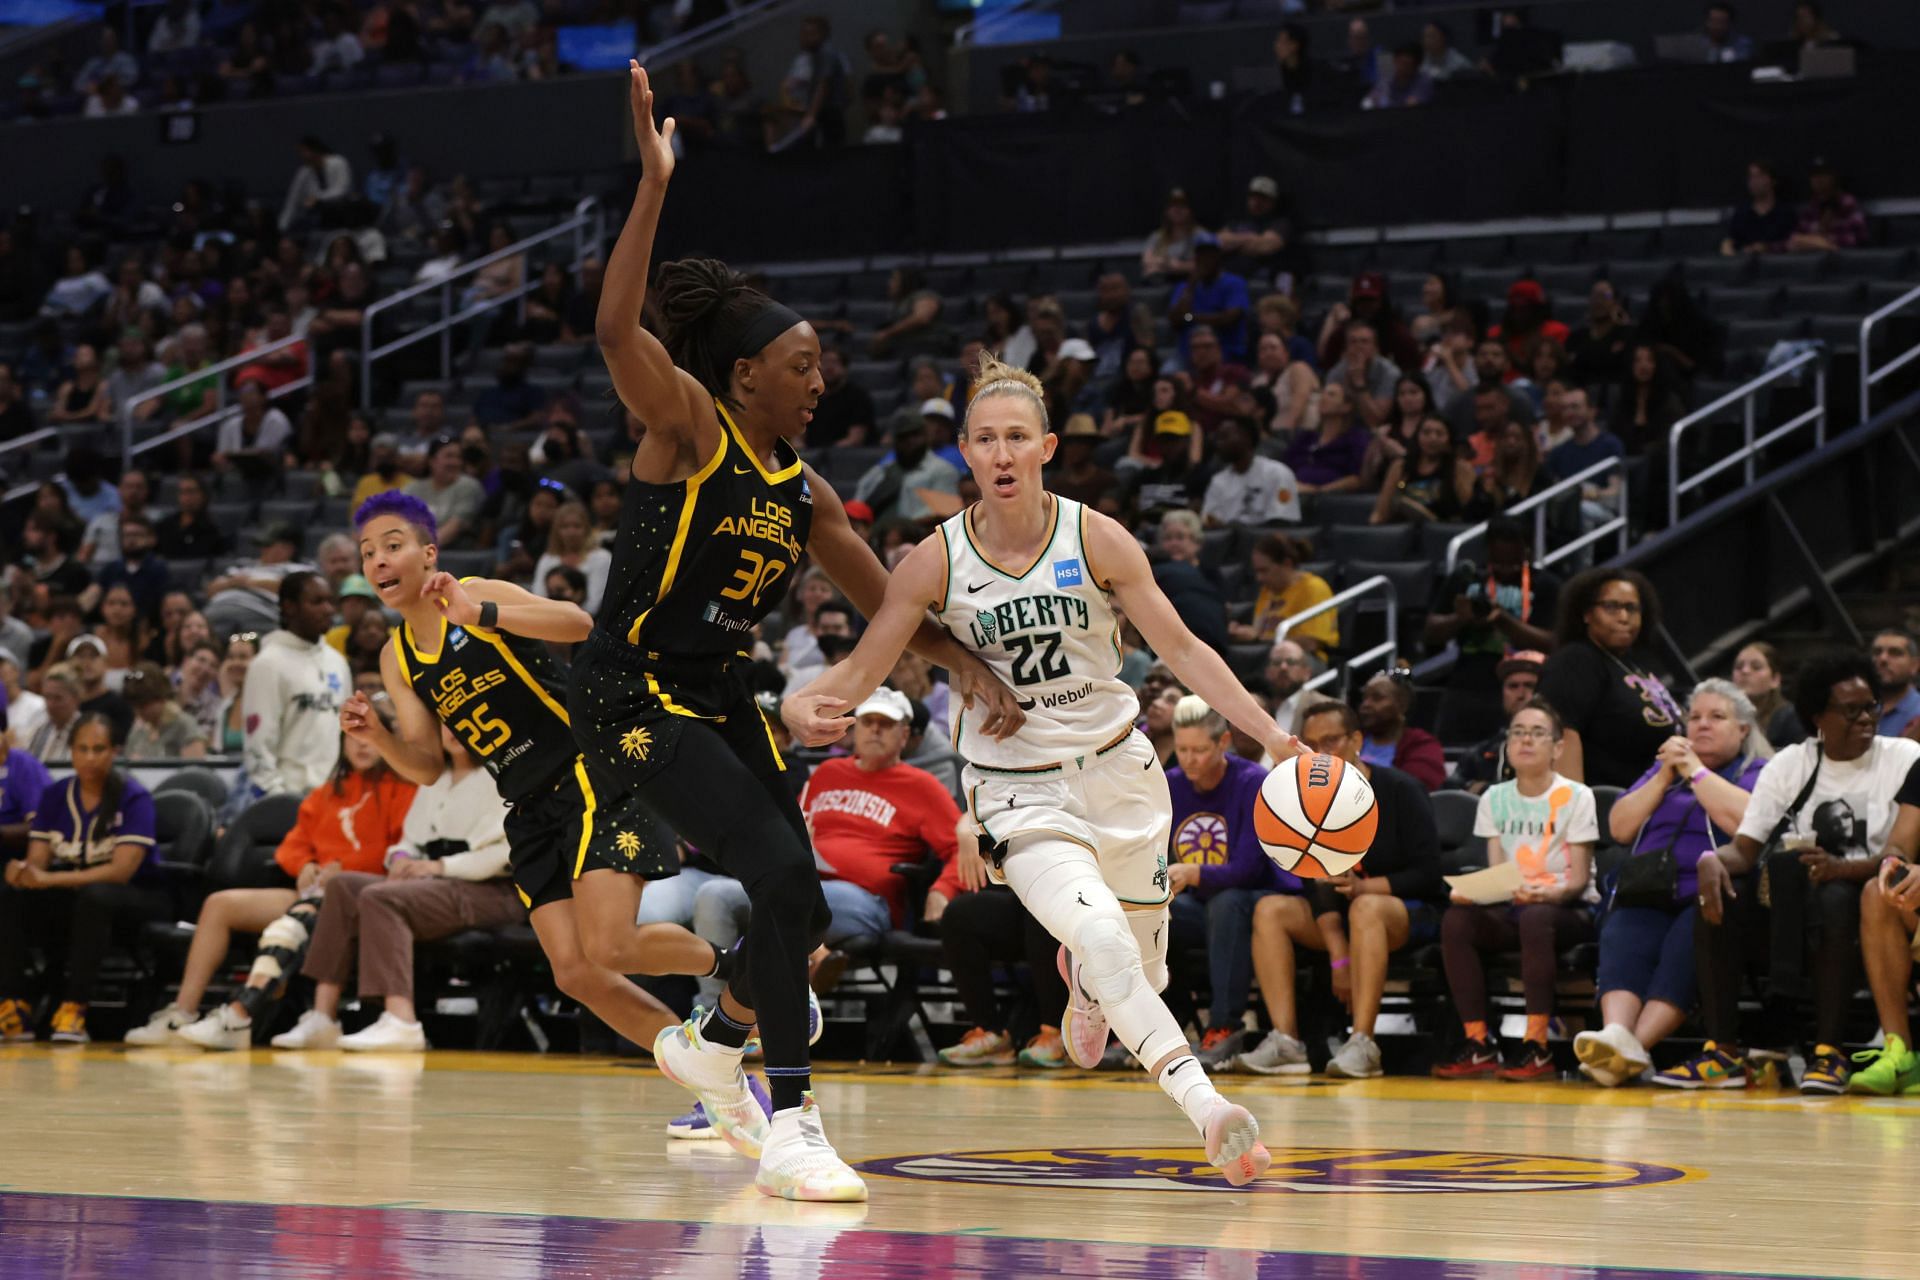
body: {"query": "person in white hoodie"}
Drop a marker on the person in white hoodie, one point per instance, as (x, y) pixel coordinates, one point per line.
(293, 695)
(447, 874)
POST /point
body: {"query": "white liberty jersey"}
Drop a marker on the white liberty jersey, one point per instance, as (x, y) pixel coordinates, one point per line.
(1049, 632)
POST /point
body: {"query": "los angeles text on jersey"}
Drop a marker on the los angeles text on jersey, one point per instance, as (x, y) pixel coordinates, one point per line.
(1028, 613)
(768, 520)
(455, 689)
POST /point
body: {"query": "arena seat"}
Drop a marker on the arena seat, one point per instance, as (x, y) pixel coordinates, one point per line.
(1453, 815)
(205, 783)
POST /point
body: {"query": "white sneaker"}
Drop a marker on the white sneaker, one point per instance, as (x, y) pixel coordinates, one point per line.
(713, 1074)
(221, 1029)
(799, 1163)
(1357, 1059)
(388, 1033)
(1233, 1143)
(315, 1030)
(1611, 1055)
(1277, 1055)
(162, 1028)
(1083, 1026)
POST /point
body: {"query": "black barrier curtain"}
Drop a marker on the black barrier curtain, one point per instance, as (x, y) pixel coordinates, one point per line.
(1626, 141)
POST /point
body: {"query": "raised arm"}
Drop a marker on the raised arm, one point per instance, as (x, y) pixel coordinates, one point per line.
(1117, 563)
(816, 713)
(852, 567)
(667, 399)
(520, 611)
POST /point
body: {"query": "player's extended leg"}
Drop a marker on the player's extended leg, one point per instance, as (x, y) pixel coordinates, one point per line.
(1060, 882)
(758, 838)
(612, 996)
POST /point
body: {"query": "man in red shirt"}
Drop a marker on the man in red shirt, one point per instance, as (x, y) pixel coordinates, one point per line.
(865, 812)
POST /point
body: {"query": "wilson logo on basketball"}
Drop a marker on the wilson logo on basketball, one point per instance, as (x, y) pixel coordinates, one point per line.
(1297, 1171)
(1316, 816)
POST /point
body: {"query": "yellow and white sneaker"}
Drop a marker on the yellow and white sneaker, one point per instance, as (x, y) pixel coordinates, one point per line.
(713, 1074)
(800, 1164)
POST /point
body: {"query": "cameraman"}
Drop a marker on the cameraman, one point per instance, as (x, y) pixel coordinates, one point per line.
(1489, 613)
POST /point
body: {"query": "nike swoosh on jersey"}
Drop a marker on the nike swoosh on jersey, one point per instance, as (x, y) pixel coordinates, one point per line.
(979, 586)
(743, 471)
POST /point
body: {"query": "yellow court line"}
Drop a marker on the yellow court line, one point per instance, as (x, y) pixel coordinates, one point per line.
(922, 1075)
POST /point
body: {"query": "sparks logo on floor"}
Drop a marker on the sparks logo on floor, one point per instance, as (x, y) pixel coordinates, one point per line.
(1297, 1170)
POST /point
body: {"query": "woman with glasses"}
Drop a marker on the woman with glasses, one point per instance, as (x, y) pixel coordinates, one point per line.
(1616, 710)
(1830, 802)
(1684, 807)
(230, 739)
(1546, 825)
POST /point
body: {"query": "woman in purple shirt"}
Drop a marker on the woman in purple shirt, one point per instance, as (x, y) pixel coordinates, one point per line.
(1690, 802)
(1329, 461)
(88, 844)
(1216, 867)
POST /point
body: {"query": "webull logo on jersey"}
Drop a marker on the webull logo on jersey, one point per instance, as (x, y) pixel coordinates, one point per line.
(1028, 613)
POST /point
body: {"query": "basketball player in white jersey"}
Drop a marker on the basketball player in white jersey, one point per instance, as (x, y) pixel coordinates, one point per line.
(1074, 806)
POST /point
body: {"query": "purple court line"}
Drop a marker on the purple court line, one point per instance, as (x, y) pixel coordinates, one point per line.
(103, 1237)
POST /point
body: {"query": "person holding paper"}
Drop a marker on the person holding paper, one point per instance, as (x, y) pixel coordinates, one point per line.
(1546, 825)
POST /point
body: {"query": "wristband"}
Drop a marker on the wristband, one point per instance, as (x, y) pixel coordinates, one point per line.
(490, 616)
(1698, 774)
(1341, 963)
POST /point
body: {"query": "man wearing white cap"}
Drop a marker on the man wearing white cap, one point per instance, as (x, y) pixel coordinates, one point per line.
(895, 487)
(87, 655)
(865, 812)
(1066, 379)
(937, 413)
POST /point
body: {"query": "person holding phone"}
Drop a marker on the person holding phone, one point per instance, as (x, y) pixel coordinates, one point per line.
(1890, 943)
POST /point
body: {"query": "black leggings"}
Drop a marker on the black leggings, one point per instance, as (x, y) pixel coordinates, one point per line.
(80, 922)
(979, 929)
(744, 818)
(1821, 921)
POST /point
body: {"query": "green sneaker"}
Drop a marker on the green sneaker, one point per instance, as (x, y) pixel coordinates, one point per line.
(1886, 1072)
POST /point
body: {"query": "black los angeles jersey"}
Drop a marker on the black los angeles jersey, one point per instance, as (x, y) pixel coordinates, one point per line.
(697, 563)
(501, 695)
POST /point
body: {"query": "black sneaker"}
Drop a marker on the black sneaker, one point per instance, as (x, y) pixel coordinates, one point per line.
(1533, 1062)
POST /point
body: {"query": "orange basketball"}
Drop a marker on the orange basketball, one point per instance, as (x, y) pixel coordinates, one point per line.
(1316, 817)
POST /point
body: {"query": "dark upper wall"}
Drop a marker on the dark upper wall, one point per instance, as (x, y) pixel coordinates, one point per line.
(1095, 29)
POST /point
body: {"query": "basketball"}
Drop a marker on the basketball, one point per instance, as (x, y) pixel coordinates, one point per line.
(1316, 817)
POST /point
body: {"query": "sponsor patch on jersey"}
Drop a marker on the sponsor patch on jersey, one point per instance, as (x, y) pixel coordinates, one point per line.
(1066, 573)
(806, 490)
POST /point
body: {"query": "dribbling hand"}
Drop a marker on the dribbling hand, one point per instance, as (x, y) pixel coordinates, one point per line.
(816, 720)
(654, 142)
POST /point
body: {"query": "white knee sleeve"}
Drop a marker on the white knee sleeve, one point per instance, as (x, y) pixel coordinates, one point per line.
(1109, 961)
(1150, 935)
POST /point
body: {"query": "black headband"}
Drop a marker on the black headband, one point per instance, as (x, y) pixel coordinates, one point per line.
(760, 328)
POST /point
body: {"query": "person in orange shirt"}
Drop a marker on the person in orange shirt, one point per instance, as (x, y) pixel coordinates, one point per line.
(345, 824)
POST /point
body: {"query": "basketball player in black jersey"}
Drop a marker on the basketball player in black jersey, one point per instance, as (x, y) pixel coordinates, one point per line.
(712, 527)
(470, 654)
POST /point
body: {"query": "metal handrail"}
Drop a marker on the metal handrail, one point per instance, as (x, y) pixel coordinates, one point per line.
(1747, 396)
(1868, 375)
(129, 450)
(1385, 649)
(1539, 502)
(587, 213)
(26, 486)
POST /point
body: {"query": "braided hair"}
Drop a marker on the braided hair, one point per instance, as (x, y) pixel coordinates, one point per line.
(701, 302)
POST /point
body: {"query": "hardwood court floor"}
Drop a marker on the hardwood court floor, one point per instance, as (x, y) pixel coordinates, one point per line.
(161, 1163)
